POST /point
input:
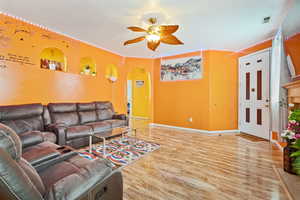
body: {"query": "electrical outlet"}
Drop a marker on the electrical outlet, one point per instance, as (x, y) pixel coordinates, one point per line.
(190, 119)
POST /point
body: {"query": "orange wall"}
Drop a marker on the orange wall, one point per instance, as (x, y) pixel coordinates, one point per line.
(210, 101)
(20, 83)
(223, 90)
(292, 46)
(175, 102)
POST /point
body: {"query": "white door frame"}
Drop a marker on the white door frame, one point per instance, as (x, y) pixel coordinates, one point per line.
(240, 95)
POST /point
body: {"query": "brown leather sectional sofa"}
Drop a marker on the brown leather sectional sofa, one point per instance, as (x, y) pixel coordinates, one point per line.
(33, 167)
(62, 175)
(61, 123)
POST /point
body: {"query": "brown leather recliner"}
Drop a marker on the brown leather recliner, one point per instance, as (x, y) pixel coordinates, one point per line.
(74, 122)
(68, 179)
(28, 121)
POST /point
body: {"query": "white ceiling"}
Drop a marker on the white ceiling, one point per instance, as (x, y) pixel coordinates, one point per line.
(291, 24)
(204, 24)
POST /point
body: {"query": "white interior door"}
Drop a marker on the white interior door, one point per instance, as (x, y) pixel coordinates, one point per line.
(254, 94)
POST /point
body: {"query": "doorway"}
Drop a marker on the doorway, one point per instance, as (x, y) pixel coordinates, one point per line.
(139, 93)
(254, 94)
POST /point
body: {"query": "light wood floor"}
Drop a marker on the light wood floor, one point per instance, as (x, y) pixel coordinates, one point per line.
(197, 166)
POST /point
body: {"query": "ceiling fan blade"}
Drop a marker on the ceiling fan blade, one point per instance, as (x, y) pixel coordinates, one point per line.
(153, 45)
(139, 39)
(136, 29)
(170, 39)
(167, 30)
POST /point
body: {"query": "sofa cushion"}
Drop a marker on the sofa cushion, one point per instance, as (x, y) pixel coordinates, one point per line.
(31, 138)
(62, 107)
(86, 106)
(99, 126)
(116, 122)
(74, 180)
(68, 118)
(38, 152)
(26, 124)
(104, 114)
(87, 116)
(20, 111)
(78, 132)
(104, 105)
(49, 136)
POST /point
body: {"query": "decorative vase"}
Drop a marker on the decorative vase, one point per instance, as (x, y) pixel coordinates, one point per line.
(287, 160)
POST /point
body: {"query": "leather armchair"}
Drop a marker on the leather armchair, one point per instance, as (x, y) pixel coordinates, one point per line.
(70, 179)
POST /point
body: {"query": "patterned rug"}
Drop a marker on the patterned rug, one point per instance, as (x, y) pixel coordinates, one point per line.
(121, 152)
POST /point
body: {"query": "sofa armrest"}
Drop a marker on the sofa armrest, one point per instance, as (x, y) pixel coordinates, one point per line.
(120, 116)
(60, 130)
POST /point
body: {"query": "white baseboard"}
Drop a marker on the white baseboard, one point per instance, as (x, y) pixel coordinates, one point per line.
(137, 117)
(194, 130)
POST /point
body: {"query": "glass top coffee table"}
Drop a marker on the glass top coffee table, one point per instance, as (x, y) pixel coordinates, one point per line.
(114, 132)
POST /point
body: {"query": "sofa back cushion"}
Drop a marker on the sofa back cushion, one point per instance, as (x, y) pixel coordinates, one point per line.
(104, 110)
(64, 113)
(23, 118)
(87, 112)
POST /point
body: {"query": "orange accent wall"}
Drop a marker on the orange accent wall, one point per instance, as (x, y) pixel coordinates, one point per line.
(175, 102)
(292, 46)
(22, 83)
(210, 101)
(223, 90)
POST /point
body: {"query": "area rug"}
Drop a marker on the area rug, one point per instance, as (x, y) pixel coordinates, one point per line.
(121, 152)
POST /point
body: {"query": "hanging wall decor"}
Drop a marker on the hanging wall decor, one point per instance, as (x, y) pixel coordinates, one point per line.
(188, 68)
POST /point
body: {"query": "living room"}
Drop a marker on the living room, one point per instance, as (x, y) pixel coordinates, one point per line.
(149, 99)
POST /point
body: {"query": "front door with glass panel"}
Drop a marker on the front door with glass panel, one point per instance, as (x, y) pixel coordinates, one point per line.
(254, 92)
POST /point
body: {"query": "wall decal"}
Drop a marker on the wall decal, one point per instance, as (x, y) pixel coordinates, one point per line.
(2, 66)
(16, 59)
(188, 68)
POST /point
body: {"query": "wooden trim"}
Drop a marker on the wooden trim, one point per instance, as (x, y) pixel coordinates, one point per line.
(292, 84)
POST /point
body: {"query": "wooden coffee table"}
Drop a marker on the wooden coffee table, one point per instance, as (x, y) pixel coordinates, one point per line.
(115, 132)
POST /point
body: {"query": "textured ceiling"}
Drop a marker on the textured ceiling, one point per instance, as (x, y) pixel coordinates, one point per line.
(204, 24)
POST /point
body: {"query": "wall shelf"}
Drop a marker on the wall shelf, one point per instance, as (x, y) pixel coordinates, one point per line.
(53, 59)
(88, 66)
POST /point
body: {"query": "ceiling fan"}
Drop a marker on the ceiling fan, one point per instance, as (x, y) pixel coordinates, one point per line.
(155, 34)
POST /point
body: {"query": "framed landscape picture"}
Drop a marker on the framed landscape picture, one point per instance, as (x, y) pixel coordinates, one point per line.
(188, 68)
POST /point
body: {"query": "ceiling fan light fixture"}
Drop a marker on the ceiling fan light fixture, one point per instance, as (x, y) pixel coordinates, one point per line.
(152, 38)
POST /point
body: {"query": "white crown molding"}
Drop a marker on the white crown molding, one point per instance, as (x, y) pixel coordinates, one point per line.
(194, 130)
